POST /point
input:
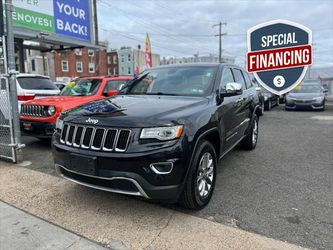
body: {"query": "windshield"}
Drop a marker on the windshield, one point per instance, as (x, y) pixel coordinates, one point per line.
(313, 88)
(81, 87)
(39, 83)
(187, 81)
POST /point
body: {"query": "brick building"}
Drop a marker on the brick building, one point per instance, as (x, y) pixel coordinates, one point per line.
(79, 62)
(112, 62)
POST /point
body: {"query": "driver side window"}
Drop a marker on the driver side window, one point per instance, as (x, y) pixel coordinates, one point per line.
(227, 77)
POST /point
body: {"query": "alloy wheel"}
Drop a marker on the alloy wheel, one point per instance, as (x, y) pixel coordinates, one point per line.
(255, 132)
(205, 175)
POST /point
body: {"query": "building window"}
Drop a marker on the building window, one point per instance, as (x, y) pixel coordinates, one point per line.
(129, 70)
(122, 70)
(78, 52)
(115, 71)
(114, 59)
(91, 67)
(129, 57)
(91, 52)
(109, 71)
(79, 66)
(64, 66)
(109, 59)
(33, 65)
(122, 58)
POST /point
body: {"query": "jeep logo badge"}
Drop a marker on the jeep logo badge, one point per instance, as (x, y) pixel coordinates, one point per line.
(279, 53)
(93, 121)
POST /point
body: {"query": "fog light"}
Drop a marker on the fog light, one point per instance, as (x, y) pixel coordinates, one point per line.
(162, 167)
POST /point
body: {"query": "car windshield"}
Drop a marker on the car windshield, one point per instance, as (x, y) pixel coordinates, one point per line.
(81, 87)
(184, 81)
(308, 88)
(40, 83)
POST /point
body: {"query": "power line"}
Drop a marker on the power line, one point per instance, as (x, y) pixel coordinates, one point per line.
(154, 27)
(220, 38)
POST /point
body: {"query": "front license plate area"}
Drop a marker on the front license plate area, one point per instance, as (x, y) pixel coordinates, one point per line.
(83, 164)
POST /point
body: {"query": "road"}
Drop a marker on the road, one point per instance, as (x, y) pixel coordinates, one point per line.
(282, 190)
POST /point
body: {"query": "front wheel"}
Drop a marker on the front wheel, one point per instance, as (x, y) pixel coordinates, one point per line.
(268, 106)
(250, 141)
(200, 182)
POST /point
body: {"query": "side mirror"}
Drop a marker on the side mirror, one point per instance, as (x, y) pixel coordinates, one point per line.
(232, 89)
(112, 92)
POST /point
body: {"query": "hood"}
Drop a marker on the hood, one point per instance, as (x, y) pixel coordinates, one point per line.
(304, 95)
(63, 102)
(137, 111)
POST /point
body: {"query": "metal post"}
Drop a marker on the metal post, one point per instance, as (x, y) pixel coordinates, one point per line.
(220, 38)
(12, 81)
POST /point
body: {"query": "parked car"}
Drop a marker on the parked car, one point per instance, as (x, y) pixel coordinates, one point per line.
(270, 99)
(260, 96)
(38, 117)
(29, 87)
(161, 137)
(308, 95)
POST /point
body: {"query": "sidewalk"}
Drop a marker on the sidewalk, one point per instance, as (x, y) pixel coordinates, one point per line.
(20, 230)
(110, 218)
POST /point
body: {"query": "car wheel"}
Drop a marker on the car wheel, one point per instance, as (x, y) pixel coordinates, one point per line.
(262, 107)
(200, 181)
(268, 106)
(250, 141)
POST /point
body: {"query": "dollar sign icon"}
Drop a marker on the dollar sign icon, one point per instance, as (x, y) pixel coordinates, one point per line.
(279, 81)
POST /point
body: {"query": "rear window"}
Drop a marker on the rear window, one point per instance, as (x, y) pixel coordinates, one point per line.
(39, 83)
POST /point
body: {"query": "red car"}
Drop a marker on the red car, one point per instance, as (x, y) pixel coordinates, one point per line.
(38, 117)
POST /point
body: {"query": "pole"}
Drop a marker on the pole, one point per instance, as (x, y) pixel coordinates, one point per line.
(220, 38)
(12, 81)
(96, 36)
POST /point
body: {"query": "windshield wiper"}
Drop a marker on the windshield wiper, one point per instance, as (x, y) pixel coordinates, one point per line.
(161, 93)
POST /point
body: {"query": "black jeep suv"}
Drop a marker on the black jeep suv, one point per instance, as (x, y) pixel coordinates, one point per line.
(162, 136)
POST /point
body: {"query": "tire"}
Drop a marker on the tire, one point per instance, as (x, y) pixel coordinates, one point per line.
(261, 109)
(250, 141)
(269, 105)
(192, 196)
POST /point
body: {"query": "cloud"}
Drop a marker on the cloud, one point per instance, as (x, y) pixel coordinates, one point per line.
(177, 28)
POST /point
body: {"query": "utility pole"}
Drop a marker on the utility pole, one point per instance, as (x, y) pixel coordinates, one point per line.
(96, 36)
(220, 38)
(12, 81)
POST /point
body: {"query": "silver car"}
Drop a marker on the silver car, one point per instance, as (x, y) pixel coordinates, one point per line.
(308, 95)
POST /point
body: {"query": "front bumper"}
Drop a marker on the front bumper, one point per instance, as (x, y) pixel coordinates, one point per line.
(37, 129)
(308, 104)
(125, 173)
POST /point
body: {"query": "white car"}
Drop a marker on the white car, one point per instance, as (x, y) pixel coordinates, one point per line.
(29, 86)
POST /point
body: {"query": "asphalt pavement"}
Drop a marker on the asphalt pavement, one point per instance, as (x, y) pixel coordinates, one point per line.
(282, 189)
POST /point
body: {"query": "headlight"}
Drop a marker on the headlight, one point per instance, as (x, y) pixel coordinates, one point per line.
(59, 124)
(162, 133)
(318, 99)
(51, 110)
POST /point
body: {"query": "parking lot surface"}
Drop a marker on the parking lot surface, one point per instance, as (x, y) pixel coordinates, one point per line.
(282, 190)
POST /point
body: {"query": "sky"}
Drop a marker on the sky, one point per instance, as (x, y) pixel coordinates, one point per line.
(185, 27)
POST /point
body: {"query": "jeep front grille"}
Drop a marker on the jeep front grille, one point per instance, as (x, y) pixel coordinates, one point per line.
(34, 110)
(95, 138)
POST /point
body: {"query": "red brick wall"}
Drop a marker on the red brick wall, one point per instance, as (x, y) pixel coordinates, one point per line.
(112, 65)
(72, 58)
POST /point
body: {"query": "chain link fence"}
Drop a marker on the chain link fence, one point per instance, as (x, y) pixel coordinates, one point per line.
(6, 132)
